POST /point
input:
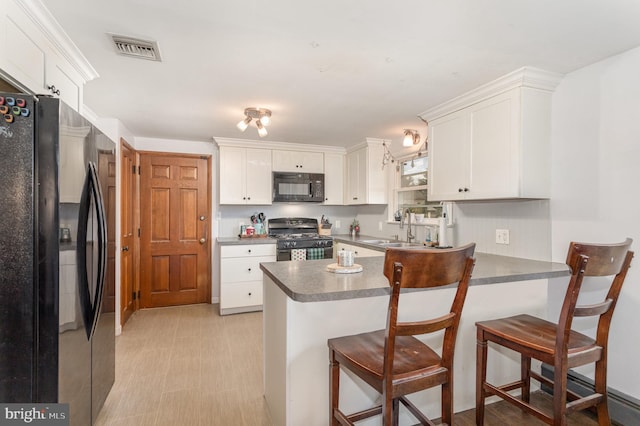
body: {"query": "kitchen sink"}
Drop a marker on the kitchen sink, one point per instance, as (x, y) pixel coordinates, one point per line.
(375, 241)
(400, 244)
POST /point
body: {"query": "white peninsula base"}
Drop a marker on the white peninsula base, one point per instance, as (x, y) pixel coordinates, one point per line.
(296, 357)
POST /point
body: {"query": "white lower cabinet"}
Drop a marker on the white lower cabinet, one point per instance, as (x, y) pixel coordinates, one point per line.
(241, 277)
(357, 250)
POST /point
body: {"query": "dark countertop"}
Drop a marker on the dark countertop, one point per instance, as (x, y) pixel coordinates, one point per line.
(231, 241)
(309, 281)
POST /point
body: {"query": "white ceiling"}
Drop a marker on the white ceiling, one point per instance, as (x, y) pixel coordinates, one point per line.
(333, 71)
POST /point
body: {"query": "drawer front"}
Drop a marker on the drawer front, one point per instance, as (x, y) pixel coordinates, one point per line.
(249, 250)
(236, 295)
(238, 269)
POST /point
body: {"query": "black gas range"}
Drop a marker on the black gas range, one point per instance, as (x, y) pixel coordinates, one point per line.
(300, 234)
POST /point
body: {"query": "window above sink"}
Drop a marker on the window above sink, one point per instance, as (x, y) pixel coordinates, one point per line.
(410, 189)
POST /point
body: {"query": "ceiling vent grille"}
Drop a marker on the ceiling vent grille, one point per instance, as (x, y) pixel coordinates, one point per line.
(143, 49)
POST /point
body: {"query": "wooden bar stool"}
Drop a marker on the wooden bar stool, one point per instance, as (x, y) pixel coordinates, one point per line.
(556, 344)
(394, 362)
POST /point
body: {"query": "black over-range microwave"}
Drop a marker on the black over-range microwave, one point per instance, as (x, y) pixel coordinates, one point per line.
(298, 187)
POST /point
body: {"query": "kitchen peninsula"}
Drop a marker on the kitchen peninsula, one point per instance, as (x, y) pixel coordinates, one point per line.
(304, 305)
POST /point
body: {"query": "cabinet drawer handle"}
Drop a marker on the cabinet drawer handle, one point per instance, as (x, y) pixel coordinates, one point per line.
(249, 294)
(249, 250)
(249, 269)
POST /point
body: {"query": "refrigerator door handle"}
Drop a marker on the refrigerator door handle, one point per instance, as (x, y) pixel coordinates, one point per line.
(91, 276)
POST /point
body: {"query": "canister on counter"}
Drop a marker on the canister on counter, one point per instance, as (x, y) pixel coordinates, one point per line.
(346, 258)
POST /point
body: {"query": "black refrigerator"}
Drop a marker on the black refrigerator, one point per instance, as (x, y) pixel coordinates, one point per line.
(57, 204)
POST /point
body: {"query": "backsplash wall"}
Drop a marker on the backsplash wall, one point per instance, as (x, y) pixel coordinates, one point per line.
(528, 222)
(230, 217)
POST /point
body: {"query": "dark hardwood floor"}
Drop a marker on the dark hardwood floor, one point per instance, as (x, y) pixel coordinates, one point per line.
(502, 414)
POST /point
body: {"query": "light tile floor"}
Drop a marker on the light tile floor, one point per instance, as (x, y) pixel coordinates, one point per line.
(187, 365)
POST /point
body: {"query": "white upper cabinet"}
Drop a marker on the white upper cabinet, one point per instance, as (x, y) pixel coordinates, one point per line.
(37, 56)
(366, 181)
(333, 179)
(298, 161)
(494, 142)
(245, 175)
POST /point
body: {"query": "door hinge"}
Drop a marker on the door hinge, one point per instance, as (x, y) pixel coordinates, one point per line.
(138, 232)
(133, 169)
(138, 294)
(133, 295)
(138, 169)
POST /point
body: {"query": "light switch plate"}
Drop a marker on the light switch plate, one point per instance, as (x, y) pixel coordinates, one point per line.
(502, 236)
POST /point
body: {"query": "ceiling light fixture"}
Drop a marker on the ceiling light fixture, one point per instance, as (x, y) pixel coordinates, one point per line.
(411, 137)
(262, 116)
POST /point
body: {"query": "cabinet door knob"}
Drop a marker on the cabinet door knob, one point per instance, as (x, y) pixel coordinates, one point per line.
(249, 294)
(249, 250)
(54, 90)
(459, 189)
(466, 190)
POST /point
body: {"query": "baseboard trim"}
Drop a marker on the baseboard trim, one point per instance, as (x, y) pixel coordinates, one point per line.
(623, 409)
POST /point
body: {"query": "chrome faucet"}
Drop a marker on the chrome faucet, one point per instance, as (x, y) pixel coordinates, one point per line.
(410, 235)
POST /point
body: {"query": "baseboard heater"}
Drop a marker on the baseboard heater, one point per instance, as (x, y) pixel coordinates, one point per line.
(623, 409)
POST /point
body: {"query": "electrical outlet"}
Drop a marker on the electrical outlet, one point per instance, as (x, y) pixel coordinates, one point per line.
(502, 236)
(337, 224)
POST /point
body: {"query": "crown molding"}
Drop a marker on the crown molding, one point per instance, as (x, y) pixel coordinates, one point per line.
(55, 34)
(369, 142)
(533, 78)
(289, 146)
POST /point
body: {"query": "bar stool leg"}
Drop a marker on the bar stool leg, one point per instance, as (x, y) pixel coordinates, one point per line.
(525, 376)
(334, 389)
(481, 376)
(601, 388)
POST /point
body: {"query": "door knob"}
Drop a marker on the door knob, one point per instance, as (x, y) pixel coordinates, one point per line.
(203, 240)
(125, 248)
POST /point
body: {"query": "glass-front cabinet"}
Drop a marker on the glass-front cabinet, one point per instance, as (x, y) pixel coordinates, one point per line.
(411, 189)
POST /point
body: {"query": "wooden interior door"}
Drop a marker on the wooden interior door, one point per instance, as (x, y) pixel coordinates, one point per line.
(175, 264)
(128, 290)
(107, 177)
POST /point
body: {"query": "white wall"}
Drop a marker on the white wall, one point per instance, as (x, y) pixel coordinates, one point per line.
(595, 178)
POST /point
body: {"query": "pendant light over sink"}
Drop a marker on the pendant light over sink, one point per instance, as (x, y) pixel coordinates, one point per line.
(262, 117)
